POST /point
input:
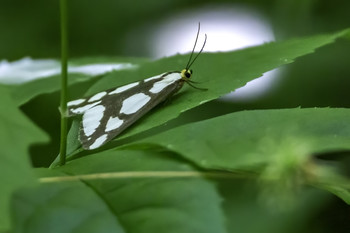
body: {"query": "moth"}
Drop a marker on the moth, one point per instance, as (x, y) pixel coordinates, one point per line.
(108, 113)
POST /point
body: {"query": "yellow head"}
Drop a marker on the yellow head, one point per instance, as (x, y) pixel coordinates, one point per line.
(186, 74)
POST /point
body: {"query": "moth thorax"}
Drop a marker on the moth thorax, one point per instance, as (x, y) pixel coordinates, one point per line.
(186, 74)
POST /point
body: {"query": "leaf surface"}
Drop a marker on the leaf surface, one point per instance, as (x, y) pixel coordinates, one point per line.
(16, 134)
(221, 73)
(140, 202)
(251, 140)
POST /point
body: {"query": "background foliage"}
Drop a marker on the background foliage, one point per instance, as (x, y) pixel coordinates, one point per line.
(286, 158)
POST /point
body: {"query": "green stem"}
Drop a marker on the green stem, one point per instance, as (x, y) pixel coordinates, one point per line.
(64, 74)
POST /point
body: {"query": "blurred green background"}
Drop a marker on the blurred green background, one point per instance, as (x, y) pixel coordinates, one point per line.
(102, 27)
(120, 28)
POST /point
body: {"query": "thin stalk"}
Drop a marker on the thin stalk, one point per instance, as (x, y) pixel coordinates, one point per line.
(64, 75)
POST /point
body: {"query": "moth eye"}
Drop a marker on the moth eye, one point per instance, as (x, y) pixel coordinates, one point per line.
(188, 74)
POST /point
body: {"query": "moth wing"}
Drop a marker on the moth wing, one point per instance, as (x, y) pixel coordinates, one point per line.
(108, 113)
(80, 106)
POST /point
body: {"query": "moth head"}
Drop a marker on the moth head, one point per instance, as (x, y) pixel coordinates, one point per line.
(186, 74)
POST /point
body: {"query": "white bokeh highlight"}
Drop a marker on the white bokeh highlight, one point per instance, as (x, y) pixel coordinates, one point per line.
(228, 28)
(28, 69)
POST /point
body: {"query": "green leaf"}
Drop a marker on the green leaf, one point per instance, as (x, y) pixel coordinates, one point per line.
(221, 73)
(246, 213)
(62, 207)
(327, 178)
(249, 138)
(73, 144)
(277, 143)
(16, 134)
(143, 202)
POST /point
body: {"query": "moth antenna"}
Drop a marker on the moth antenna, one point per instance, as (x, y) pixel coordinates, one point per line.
(205, 41)
(191, 81)
(195, 43)
(198, 88)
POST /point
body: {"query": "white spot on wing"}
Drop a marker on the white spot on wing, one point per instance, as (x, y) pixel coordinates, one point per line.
(154, 77)
(98, 96)
(134, 103)
(92, 118)
(113, 123)
(166, 81)
(123, 88)
(98, 142)
(75, 102)
(84, 108)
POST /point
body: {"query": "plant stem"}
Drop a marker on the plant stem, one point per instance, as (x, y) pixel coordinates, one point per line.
(64, 74)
